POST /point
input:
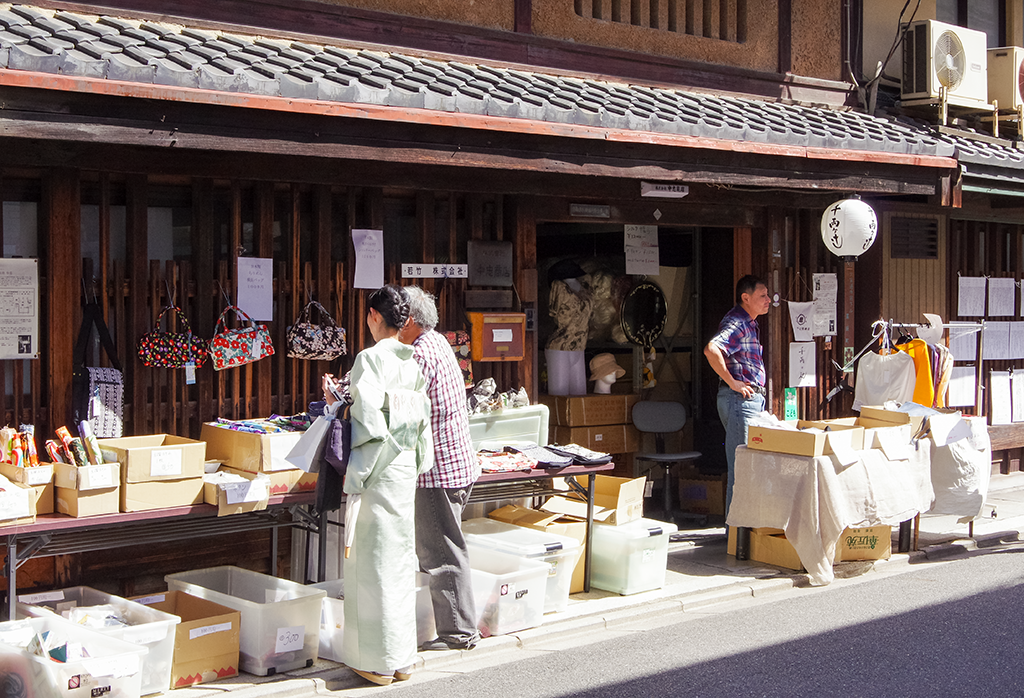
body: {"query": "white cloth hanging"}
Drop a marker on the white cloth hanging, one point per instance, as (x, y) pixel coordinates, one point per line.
(881, 378)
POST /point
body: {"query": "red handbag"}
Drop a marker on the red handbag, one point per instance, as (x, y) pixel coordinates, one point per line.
(248, 343)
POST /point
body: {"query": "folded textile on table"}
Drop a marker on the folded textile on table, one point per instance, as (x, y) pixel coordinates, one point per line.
(506, 461)
(545, 457)
(581, 455)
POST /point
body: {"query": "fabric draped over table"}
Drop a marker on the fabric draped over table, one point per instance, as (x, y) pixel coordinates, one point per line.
(814, 499)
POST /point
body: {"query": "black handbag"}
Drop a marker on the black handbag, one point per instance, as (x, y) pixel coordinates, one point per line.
(97, 394)
(331, 480)
(315, 341)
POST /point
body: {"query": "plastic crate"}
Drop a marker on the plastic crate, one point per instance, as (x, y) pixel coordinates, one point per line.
(560, 553)
(508, 591)
(147, 627)
(114, 666)
(332, 616)
(630, 558)
(280, 619)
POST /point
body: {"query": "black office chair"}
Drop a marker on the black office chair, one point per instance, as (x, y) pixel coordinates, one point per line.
(660, 418)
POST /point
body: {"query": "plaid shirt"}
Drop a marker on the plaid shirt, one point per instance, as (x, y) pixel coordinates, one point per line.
(455, 461)
(738, 339)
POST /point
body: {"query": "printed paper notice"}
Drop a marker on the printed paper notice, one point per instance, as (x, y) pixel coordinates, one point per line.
(256, 287)
(1017, 340)
(19, 308)
(999, 391)
(801, 365)
(800, 318)
(1002, 295)
(826, 295)
(995, 341)
(1017, 390)
(971, 296)
(369, 247)
(963, 343)
(962, 386)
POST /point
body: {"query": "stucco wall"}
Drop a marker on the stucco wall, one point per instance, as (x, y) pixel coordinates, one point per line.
(817, 39)
(492, 14)
(558, 19)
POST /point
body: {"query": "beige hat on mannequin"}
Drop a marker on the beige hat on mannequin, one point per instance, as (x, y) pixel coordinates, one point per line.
(605, 365)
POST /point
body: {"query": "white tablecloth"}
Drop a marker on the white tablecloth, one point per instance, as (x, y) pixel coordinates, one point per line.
(813, 499)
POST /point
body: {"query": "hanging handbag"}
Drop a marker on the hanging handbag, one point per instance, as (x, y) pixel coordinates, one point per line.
(159, 349)
(459, 340)
(97, 394)
(231, 348)
(315, 341)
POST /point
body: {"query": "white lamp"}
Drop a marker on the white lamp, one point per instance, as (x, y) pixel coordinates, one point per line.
(848, 228)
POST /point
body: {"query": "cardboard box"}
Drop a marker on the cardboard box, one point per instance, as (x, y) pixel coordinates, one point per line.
(617, 500)
(87, 490)
(702, 494)
(590, 410)
(806, 443)
(552, 523)
(17, 504)
(238, 498)
(161, 494)
(39, 478)
(205, 642)
(155, 457)
(768, 545)
(610, 438)
(870, 543)
(256, 453)
(877, 416)
(284, 481)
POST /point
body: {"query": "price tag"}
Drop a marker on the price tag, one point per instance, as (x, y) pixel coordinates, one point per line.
(208, 630)
(289, 639)
(144, 635)
(100, 476)
(155, 598)
(165, 461)
(41, 597)
(38, 475)
(190, 373)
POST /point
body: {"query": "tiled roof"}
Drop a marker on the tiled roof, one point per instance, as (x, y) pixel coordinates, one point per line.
(115, 48)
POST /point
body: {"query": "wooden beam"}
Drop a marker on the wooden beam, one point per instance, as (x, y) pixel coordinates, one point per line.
(203, 236)
(139, 319)
(61, 272)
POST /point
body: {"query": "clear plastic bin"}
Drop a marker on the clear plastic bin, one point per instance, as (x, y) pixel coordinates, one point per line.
(630, 558)
(559, 552)
(114, 666)
(508, 591)
(147, 626)
(332, 616)
(280, 627)
(512, 426)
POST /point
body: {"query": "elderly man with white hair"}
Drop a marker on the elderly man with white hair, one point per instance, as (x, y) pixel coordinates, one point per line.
(443, 491)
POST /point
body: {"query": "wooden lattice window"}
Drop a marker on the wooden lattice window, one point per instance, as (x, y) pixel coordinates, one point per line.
(725, 20)
(914, 238)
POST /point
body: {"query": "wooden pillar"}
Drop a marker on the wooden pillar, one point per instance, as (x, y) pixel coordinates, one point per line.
(63, 277)
(203, 252)
(520, 218)
(264, 243)
(139, 418)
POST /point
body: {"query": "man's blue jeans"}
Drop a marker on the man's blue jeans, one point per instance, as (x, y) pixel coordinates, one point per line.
(735, 412)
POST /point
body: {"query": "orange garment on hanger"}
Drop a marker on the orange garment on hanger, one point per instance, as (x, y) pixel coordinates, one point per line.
(924, 386)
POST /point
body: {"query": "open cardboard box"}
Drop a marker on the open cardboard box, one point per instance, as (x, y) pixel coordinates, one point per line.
(238, 497)
(87, 490)
(257, 453)
(205, 642)
(552, 523)
(844, 437)
(617, 500)
(38, 477)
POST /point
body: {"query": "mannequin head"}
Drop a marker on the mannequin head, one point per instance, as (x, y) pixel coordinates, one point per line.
(603, 386)
(604, 371)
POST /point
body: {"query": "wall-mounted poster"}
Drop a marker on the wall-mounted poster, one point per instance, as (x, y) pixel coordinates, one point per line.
(256, 287)
(19, 308)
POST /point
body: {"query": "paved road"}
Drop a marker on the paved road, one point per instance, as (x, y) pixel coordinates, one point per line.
(952, 628)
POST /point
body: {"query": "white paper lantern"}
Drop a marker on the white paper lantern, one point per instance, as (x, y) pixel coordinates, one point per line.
(848, 228)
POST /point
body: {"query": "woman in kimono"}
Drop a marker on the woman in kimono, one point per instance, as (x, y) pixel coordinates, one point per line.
(391, 446)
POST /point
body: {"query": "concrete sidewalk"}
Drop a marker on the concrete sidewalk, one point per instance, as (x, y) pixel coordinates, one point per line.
(700, 574)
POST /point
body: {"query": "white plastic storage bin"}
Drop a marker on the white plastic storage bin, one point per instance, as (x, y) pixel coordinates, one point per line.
(280, 627)
(559, 552)
(630, 558)
(147, 627)
(332, 616)
(113, 668)
(508, 591)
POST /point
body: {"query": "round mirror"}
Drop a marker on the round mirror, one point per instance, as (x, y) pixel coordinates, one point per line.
(643, 314)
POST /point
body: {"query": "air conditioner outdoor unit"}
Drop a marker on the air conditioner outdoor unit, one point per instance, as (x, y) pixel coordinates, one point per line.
(1005, 76)
(937, 55)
